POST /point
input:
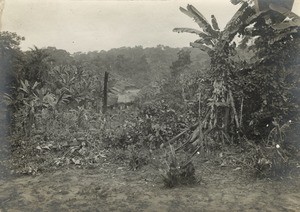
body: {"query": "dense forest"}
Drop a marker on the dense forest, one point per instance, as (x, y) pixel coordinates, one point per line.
(233, 97)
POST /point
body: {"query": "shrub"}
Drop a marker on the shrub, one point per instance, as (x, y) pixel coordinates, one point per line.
(178, 172)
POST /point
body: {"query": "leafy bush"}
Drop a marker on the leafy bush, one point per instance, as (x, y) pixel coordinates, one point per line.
(137, 157)
(150, 126)
(178, 172)
(272, 161)
(71, 137)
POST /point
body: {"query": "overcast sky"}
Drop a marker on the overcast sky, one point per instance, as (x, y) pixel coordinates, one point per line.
(88, 25)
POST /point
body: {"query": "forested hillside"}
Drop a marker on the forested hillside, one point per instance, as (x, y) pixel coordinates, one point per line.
(142, 66)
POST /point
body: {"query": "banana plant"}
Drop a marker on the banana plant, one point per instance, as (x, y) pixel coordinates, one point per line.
(247, 24)
(278, 13)
(219, 46)
(210, 34)
(250, 24)
(286, 19)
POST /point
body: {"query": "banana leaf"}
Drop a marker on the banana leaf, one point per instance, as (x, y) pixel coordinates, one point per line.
(239, 18)
(201, 47)
(193, 31)
(214, 23)
(199, 19)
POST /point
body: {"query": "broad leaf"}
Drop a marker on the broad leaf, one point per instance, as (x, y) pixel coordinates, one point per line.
(207, 42)
(7, 99)
(214, 23)
(282, 36)
(284, 11)
(294, 18)
(263, 5)
(201, 47)
(239, 18)
(235, 2)
(286, 24)
(199, 19)
(193, 31)
(25, 86)
(35, 85)
(255, 17)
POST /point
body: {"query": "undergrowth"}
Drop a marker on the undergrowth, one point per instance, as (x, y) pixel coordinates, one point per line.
(178, 171)
(83, 139)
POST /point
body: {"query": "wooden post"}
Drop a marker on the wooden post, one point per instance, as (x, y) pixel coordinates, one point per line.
(104, 108)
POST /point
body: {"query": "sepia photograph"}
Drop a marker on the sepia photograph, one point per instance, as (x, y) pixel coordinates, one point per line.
(149, 105)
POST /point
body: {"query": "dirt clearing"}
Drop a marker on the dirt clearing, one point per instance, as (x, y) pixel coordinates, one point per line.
(115, 188)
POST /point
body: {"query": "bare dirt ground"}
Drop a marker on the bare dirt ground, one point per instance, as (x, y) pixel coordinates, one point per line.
(112, 187)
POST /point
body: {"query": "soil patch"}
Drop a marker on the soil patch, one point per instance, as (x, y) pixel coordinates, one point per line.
(115, 188)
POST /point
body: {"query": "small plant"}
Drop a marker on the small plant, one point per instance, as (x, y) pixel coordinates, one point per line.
(137, 158)
(272, 162)
(272, 158)
(178, 173)
(277, 154)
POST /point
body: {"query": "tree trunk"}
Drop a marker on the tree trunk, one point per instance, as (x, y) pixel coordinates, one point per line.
(234, 110)
(226, 117)
(104, 108)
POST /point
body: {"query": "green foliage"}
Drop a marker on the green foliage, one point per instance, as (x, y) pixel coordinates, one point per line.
(141, 65)
(137, 157)
(250, 80)
(252, 83)
(35, 67)
(71, 137)
(272, 161)
(250, 90)
(59, 56)
(10, 41)
(178, 172)
(269, 79)
(75, 86)
(150, 126)
(183, 61)
(10, 55)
